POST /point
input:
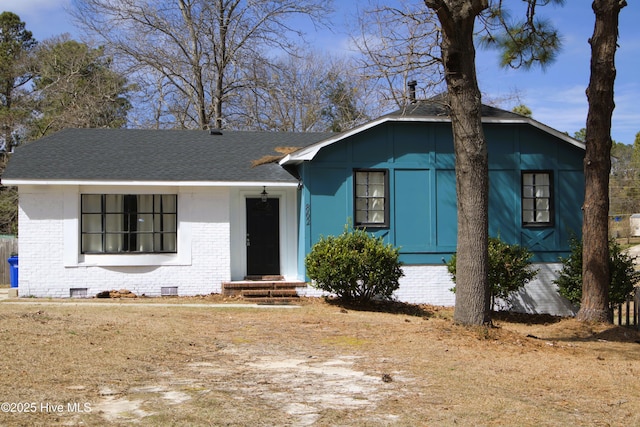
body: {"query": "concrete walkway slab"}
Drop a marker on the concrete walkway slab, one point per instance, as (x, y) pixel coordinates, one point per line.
(35, 301)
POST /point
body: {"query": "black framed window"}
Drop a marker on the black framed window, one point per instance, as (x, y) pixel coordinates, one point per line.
(537, 198)
(371, 198)
(128, 223)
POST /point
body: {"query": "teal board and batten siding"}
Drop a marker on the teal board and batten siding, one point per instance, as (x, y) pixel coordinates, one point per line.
(420, 159)
(517, 148)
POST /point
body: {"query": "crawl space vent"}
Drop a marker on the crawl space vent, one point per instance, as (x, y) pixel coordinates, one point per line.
(78, 292)
(169, 291)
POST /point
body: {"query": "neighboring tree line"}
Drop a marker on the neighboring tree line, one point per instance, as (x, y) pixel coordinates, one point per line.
(624, 188)
(196, 64)
(220, 63)
(624, 180)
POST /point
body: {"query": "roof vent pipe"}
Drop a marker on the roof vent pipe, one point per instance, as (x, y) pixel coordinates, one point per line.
(412, 90)
(215, 131)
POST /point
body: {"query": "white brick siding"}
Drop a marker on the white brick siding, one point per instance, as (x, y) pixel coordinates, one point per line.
(45, 270)
(431, 284)
(426, 284)
(541, 295)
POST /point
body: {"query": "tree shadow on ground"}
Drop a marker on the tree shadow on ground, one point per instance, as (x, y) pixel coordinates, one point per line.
(526, 318)
(392, 307)
(568, 329)
(618, 334)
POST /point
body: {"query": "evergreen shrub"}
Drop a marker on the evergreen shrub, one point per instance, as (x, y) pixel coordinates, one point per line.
(623, 274)
(509, 268)
(355, 266)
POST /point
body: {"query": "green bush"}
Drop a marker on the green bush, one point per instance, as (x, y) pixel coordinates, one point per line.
(623, 274)
(509, 268)
(355, 266)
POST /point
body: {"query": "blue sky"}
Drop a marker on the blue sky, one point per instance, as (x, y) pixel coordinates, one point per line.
(556, 96)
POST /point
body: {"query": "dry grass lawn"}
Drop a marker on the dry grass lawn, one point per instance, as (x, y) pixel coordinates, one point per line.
(316, 365)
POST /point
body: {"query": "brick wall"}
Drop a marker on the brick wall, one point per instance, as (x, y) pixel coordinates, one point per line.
(42, 239)
(426, 284)
(431, 284)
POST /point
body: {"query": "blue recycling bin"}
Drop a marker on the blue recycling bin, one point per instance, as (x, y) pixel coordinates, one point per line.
(13, 270)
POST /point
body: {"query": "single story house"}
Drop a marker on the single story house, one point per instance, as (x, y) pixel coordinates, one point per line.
(169, 211)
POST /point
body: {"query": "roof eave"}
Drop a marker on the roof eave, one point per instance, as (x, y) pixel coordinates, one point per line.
(557, 133)
(308, 153)
(18, 181)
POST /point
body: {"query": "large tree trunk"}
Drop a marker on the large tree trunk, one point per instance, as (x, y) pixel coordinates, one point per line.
(457, 19)
(597, 163)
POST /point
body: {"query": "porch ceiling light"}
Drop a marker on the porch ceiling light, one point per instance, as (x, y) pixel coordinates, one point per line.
(264, 194)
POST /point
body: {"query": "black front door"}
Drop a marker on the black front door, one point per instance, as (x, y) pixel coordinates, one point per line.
(263, 237)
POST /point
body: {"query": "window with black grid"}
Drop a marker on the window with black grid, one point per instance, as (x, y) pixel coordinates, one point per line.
(128, 223)
(371, 198)
(537, 198)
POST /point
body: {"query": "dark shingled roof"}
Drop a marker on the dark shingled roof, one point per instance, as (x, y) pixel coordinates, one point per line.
(155, 155)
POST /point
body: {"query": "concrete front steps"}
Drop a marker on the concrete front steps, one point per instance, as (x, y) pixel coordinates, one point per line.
(264, 289)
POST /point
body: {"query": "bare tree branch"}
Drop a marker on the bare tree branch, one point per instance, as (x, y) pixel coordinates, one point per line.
(397, 45)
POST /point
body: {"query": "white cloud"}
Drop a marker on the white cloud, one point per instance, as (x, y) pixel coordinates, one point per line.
(564, 95)
(32, 7)
(565, 119)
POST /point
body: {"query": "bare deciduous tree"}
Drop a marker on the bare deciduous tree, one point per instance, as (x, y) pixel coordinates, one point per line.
(304, 92)
(195, 51)
(284, 96)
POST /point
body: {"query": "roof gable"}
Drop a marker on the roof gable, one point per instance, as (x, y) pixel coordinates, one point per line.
(435, 111)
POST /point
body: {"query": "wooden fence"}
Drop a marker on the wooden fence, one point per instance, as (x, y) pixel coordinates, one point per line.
(626, 314)
(8, 247)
